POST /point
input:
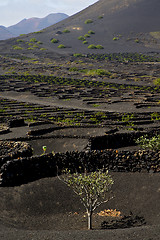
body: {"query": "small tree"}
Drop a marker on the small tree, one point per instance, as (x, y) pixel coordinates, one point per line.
(92, 189)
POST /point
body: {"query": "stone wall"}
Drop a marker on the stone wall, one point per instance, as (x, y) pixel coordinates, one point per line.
(118, 140)
(23, 170)
(10, 150)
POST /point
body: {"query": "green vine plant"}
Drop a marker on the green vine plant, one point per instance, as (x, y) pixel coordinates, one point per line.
(152, 143)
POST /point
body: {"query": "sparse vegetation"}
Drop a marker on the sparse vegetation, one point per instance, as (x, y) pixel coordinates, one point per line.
(20, 40)
(61, 46)
(54, 40)
(137, 40)
(88, 21)
(81, 38)
(91, 32)
(33, 40)
(152, 143)
(99, 47)
(115, 38)
(92, 46)
(157, 81)
(98, 72)
(66, 31)
(87, 36)
(17, 47)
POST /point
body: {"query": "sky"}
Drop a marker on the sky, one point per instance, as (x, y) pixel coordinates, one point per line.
(13, 11)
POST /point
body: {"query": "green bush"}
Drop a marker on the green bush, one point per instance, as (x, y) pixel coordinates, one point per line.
(99, 47)
(54, 40)
(35, 46)
(81, 38)
(61, 46)
(92, 46)
(100, 17)
(88, 21)
(115, 38)
(20, 40)
(85, 42)
(87, 35)
(39, 42)
(98, 72)
(157, 81)
(42, 49)
(149, 143)
(17, 47)
(33, 40)
(137, 40)
(73, 69)
(66, 31)
(91, 32)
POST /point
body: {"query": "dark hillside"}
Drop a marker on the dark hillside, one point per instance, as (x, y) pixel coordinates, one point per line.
(118, 26)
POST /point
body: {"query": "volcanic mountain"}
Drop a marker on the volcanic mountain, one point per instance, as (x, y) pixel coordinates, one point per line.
(36, 24)
(5, 34)
(107, 25)
(31, 25)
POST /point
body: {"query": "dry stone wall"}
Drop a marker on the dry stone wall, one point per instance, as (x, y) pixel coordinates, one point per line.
(23, 170)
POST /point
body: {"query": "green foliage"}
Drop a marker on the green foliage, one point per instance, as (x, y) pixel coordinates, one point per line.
(157, 81)
(39, 42)
(66, 31)
(85, 42)
(30, 44)
(42, 49)
(92, 46)
(61, 46)
(123, 57)
(149, 143)
(99, 47)
(155, 116)
(33, 40)
(91, 32)
(137, 40)
(88, 21)
(73, 69)
(87, 35)
(92, 189)
(127, 118)
(35, 46)
(54, 40)
(41, 31)
(20, 40)
(99, 72)
(100, 17)
(115, 38)
(81, 38)
(17, 47)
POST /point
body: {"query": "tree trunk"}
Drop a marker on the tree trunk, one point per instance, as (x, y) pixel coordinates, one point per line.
(89, 220)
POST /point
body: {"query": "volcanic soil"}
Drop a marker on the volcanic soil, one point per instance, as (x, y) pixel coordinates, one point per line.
(65, 98)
